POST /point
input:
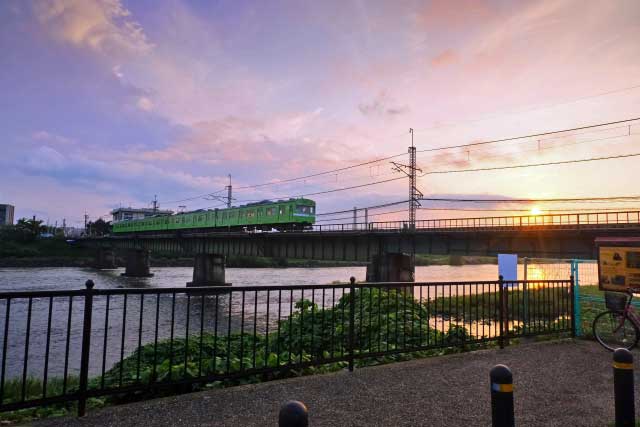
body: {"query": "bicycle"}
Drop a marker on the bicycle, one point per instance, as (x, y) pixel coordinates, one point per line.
(620, 325)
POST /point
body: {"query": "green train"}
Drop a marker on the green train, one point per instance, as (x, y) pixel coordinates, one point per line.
(292, 214)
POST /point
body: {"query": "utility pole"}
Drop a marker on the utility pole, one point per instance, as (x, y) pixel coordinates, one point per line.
(229, 193)
(155, 204)
(86, 219)
(355, 217)
(410, 170)
(414, 194)
(366, 217)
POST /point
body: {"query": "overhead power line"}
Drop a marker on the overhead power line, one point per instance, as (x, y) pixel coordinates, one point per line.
(535, 135)
(284, 181)
(385, 205)
(531, 165)
(334, 190)
(526, 109)
(195, 197)
(543, 148)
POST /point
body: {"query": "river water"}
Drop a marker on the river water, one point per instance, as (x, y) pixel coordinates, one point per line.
(180, 315)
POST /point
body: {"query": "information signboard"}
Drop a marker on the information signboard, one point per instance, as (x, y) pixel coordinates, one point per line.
(618, 263)
(508, 267)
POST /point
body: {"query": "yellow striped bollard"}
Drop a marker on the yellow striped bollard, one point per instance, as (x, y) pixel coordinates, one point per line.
(501, 397)
(623, 388)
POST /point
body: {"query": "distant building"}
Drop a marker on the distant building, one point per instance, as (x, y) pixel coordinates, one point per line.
(6, 214)
(126, 214)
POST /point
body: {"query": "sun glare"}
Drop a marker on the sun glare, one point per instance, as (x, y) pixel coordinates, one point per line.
(535, 210)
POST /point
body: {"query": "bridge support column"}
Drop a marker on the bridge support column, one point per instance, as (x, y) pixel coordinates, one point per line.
(391, 267)
(209, 270)
(137, 263)
(105, 259)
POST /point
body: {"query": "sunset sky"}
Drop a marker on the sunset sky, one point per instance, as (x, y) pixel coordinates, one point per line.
(106, 103)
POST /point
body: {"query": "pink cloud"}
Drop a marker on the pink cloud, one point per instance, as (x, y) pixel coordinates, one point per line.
(104, 26)
(446, 57)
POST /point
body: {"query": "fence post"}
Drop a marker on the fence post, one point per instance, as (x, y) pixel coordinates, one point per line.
(575, 305)
(501, 397)
(525, 295)
(293, 414)
(352, 320)
(86, 345)
(575, 282)
(623, 388)
(501, 309)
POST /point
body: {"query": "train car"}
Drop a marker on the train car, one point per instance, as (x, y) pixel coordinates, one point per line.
(292, 214)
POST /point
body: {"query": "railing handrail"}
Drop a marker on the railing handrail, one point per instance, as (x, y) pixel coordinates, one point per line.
(342, 342)
(198, 290)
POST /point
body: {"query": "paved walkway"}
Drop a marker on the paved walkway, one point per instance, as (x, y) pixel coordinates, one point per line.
(561, 383)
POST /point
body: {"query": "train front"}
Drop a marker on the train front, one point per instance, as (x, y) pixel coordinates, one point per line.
(305, 212)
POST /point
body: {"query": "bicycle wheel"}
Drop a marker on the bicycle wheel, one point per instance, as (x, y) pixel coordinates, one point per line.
(614, 330)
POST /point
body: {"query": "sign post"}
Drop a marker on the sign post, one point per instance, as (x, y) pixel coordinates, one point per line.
(508, 272)
(508, 267)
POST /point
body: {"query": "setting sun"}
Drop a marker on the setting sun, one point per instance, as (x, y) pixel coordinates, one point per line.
(535, 211)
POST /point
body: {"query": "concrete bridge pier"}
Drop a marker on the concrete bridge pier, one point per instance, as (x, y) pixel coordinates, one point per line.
(105, 259)
(137, 263)
(209, 270)
(391, 267)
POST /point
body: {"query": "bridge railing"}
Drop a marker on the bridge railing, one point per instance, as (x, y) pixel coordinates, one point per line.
(65, 346)
(575, 220)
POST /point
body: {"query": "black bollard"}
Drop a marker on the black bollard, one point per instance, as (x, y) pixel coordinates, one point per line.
(501, 397)
(623, 388)
(293, 414)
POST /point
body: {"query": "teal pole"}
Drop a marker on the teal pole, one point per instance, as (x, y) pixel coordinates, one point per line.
(575, 272)
(525, 296)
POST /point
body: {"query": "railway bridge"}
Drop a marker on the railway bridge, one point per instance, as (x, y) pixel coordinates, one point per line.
(384, 245)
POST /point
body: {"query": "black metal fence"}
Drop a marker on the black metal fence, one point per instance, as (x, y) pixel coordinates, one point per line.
(65, 346)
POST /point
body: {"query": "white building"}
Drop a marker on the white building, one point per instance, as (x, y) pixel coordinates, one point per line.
(126, 214)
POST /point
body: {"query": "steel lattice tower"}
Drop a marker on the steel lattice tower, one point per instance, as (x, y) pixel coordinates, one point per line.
(414, 193)
(410, 170)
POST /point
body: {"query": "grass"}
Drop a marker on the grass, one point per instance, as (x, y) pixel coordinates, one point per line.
(543, 304)
(455, 260)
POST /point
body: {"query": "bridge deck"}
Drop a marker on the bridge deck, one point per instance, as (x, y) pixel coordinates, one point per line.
(556, 384)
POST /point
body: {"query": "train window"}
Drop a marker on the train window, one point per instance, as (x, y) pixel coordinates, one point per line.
(269, 211)
(281, 210)
(303, 209)
(312, 209)
(251, 213)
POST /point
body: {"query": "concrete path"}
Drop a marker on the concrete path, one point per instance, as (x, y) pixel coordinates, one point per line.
(561, 383)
